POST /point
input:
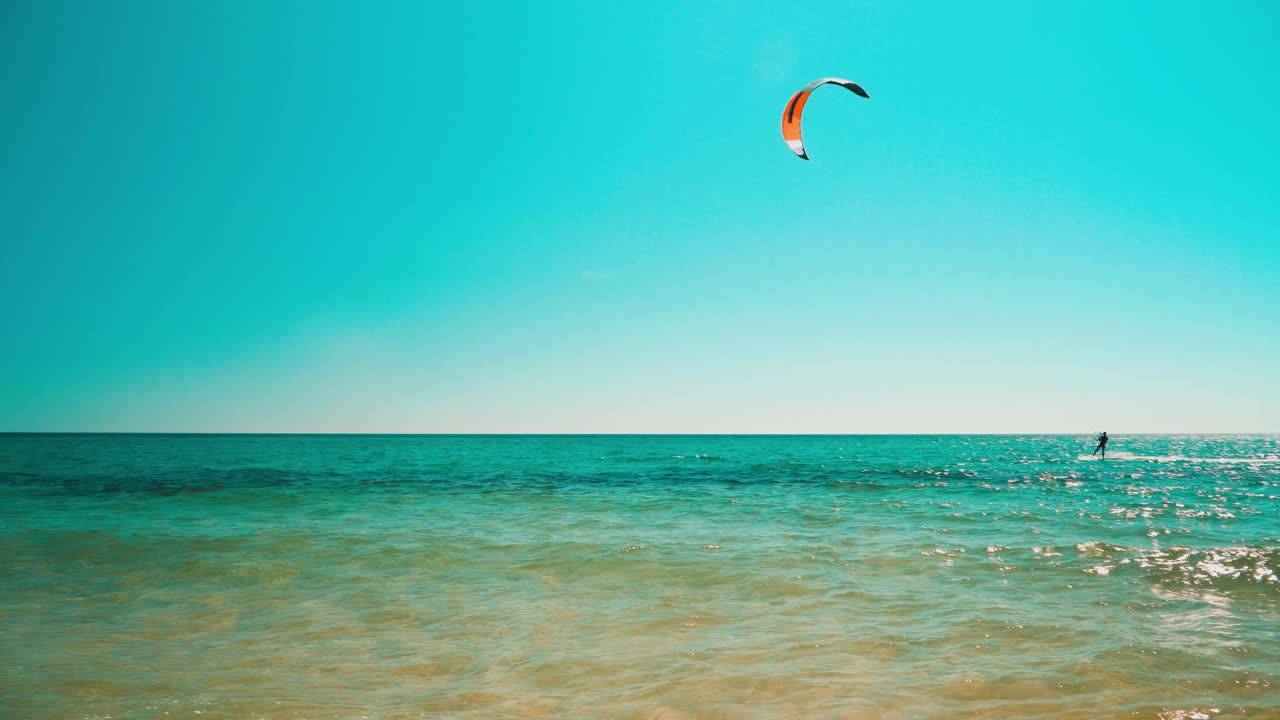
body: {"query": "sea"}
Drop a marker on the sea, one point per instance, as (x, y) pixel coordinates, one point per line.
(290, 577)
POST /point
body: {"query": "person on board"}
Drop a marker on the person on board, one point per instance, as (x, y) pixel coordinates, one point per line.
(1102, 444)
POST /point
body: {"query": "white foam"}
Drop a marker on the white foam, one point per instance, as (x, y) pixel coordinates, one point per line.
(1131, 457)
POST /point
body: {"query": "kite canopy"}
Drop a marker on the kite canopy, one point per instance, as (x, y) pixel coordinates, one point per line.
(791, 116)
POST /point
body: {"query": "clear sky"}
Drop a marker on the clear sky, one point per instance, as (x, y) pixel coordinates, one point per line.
(551, 217)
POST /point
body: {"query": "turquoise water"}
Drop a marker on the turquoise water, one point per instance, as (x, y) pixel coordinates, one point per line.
(288, 577)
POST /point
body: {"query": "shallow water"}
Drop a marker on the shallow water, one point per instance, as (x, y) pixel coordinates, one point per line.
(287, 577)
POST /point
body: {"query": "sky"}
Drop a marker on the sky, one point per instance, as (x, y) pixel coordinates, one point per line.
(581, 217)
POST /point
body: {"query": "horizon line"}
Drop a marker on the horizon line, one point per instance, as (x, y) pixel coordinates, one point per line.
(606, 434)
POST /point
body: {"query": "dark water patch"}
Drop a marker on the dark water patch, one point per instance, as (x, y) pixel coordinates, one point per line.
(167, 482)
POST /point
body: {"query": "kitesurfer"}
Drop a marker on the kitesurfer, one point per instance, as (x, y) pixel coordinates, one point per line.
(1102, 444)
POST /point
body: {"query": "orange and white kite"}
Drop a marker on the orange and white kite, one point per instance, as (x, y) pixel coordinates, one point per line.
(791, 116)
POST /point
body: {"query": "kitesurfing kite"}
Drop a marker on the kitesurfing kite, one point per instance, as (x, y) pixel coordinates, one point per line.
(791, 116)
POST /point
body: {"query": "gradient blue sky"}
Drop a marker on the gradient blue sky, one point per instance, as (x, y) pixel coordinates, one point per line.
(550, 217)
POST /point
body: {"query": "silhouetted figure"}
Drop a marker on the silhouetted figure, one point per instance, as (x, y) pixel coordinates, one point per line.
(1102, 444)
